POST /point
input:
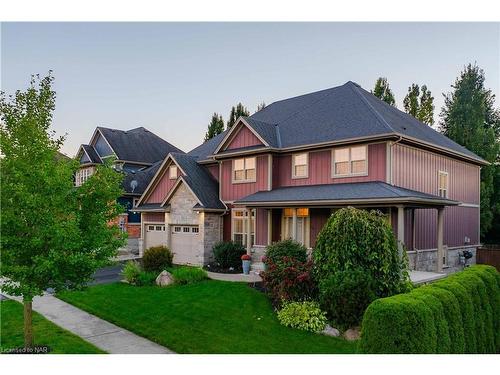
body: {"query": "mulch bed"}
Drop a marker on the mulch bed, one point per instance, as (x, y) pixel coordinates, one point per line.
(214, 267)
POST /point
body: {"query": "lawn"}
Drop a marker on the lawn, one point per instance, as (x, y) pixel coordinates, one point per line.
(45, 332)
(206, 317)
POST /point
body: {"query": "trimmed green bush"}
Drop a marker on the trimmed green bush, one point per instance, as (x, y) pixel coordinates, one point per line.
(131, 272)
(302, 315)
(345, 296)
(157, 259)
(287, 248)
(360, 239)
(188, 275)
(228, 254)
(462, 310)
(146, 278)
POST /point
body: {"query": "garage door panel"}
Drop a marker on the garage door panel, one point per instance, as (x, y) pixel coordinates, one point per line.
(185, 243)
(156, 235)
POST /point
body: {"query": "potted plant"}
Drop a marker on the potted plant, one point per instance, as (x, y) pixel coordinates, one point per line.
(246, 260)
(264, 262)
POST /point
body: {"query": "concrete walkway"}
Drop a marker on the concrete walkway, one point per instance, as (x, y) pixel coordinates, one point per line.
(104, 335)
(421, 277)
(238, 277)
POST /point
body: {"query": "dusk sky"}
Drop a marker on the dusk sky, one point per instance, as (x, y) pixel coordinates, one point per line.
(171, 77)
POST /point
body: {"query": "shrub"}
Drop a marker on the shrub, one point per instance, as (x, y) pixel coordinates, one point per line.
(353, 239)
(287, 248)
(146, 278)
(228, 254)
(392, 325)
(188, 275)
(345, 296)
(131, 272)
(302, 315)
(157, 259)
(289, 280)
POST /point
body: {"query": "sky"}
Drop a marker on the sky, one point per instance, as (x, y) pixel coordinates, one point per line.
(171, 77)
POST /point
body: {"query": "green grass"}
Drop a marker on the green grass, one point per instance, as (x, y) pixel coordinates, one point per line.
(45, 332)
(206, 317)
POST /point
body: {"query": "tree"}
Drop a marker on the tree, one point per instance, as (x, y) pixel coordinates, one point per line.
(420, 104)
(470, 119)
(238, 111)
(215, 127)
(261, 106)
(53, 234)
(383, 91)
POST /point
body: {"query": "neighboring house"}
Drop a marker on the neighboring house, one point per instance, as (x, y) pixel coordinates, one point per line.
(281, 172)
(137, 153)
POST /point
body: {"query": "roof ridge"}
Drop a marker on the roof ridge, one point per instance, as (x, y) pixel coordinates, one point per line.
(389, 187)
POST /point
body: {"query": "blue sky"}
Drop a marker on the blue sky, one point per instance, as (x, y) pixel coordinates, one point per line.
(171, 77)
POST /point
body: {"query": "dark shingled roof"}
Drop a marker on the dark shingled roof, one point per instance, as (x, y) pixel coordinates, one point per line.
(341, 192)
(207, 148)
(200, 181)
(142, 177)
(139, 144)
(92, 153)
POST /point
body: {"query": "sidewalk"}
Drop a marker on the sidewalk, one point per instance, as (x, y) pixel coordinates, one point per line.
(104, 335)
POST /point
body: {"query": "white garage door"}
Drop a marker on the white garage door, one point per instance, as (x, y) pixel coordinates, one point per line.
(155, 235)
(185, 243)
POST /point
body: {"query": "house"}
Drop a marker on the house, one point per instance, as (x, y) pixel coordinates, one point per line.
(281, 172)
(137, 153)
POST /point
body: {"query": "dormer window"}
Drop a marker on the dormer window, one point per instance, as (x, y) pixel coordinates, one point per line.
(172, 172)
(82, 175)
(443, 184)
(350, 161)
(244, 170)
(300, 165)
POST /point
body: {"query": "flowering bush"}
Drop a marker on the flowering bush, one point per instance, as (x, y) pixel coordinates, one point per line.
(287, 248)
(303, 315)
(289, 280)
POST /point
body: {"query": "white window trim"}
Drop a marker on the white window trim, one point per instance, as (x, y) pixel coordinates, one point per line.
(447, 189)
(176, 172)
(334, 175)
(253, 213)
(294, 176)
(247, 180)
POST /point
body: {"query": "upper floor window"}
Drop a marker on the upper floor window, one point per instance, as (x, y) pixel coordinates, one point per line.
(244, 170)
(443, 184)
(82, 175)
(350, 161)
(172, 172)
(300, 165)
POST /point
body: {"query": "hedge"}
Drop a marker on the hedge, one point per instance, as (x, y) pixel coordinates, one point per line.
(459, 314)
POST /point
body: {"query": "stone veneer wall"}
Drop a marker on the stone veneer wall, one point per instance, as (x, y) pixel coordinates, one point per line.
(212, 233)
(425, 260)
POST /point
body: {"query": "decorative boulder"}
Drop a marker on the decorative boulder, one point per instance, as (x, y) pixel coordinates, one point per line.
(164, 278)
(352, 334)
(330, 331)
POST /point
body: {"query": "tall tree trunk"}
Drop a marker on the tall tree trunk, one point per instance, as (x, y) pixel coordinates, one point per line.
(28, 326)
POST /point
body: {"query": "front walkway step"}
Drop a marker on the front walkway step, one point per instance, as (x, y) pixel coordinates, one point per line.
(101, 333)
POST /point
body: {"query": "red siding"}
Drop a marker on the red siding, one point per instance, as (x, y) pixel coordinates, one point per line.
(162, 188)
(214, 170)
(226, 230)
(320, 168)
(243, 138)
(418, 170)
(155, 217)
(232, 192)
(318, 218)
(261, 227)
(276, 225)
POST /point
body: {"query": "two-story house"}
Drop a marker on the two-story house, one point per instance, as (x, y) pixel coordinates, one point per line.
(281, 172)
(137, 153)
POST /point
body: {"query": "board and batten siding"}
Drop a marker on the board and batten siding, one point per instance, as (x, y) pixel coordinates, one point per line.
(261, 227)
(162, 187)
(418, 169)
(243, 138)
(153, 217)
(232, 191)
(214, 170)
(320, 168)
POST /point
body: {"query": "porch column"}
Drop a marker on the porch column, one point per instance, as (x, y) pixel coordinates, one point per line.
(269, 226)
(413, 231)
(294, 224)
(440, 236)
(248, 230)
(401, 229)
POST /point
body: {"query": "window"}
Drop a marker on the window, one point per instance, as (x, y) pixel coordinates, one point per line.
(195, 229)
(350, 161)
(300, 167)
(302, 225)
(158, 227)
(177, 229)
(443, 184)
(172, 172)
(239, 227)
(185, 229)
(151, 227)
(82, 175)
(244, 170)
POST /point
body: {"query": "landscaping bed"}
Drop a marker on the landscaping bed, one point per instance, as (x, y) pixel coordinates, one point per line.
(46, 333)
(214, 267)
(205, 317)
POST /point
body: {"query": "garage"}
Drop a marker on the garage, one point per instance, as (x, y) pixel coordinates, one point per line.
(185, 243)
(155, 235)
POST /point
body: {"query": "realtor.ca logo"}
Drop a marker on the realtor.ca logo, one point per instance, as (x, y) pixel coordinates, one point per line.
(41, 349)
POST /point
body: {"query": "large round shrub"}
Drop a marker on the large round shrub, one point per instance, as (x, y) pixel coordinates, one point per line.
(157, 259)
(287, 248)
(228, 254)
(345, 296)
(359, 239)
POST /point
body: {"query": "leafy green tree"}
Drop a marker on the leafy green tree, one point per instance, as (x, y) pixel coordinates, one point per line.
(215, 127)
(236, 112)
(261, 106)
(383, 91)
(420, 103)
(470, 119)
(53, 234)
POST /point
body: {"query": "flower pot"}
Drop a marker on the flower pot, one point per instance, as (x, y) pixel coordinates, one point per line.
(246, 266)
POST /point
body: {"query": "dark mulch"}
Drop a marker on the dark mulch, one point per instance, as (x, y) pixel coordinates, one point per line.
(214, 267)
